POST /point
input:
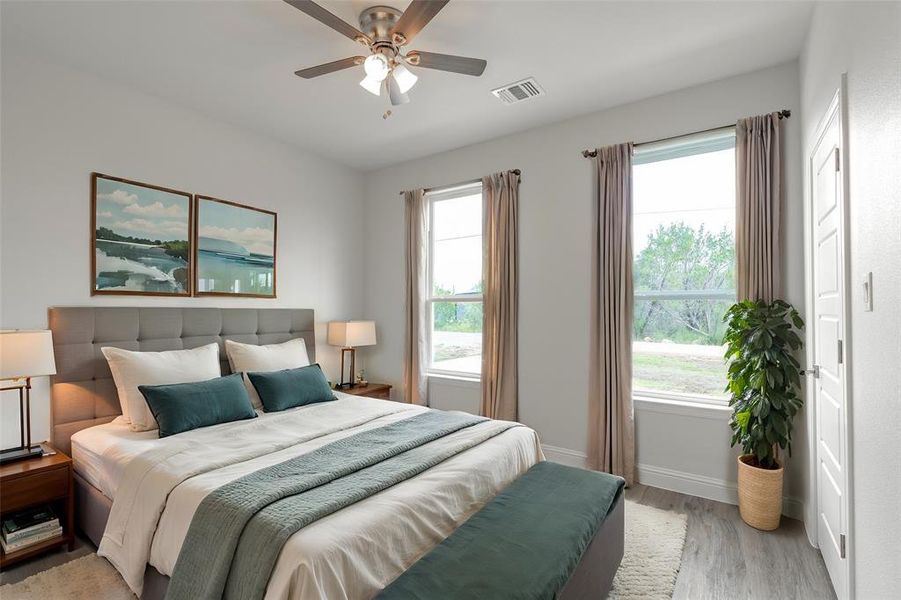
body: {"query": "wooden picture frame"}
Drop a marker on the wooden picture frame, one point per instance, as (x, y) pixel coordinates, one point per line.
(164, 264)
(243, 257)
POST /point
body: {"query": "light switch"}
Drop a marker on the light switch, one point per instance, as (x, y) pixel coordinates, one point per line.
(868, 292)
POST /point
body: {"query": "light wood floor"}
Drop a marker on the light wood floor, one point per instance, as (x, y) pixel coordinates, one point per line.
(724, 559)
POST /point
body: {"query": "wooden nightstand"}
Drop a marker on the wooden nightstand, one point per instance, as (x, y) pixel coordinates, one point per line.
(29, 482)
(382, 391)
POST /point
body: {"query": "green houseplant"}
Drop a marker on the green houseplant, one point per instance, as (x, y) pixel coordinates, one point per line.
(764, 380)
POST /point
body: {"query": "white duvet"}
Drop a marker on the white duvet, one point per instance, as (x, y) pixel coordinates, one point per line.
(157, 484)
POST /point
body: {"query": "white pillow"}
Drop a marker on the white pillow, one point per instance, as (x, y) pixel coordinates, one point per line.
(131, 369)
(250, 358)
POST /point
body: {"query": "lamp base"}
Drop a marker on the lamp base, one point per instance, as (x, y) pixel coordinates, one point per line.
(13, 454)
(350, 383)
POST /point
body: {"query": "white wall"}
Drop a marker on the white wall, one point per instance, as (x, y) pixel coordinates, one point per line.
(59, 125)
(864, 40)
(554, 261)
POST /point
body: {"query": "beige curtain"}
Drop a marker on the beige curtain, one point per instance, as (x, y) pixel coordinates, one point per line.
(758, 222)
(415, 323)
(611, 437)
(500, 193)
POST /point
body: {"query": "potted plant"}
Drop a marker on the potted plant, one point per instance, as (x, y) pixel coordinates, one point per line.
(764, 380)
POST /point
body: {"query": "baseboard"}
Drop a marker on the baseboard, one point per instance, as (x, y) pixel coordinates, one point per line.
(793, 508)
(565, 456)
(705, 487)
(688, 483)
(675, 481)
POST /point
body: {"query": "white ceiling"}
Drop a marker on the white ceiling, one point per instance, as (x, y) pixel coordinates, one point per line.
(235, 60)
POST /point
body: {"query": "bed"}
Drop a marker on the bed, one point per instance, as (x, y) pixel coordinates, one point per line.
(141, 492)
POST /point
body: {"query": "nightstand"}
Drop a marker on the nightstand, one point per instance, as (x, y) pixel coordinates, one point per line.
(30, 482)
(382, 391)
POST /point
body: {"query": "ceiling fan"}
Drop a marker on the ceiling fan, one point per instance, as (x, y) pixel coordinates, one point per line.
(385, 31)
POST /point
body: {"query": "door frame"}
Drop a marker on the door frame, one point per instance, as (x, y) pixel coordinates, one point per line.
(838, 105)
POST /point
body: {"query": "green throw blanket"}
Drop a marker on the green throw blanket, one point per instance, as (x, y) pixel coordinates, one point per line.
(239, 529)
(524, 544)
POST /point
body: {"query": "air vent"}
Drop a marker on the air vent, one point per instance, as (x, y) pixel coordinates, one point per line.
(519, 91)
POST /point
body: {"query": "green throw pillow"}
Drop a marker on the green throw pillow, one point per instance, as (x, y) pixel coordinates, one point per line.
(288, 388)
(182, 407)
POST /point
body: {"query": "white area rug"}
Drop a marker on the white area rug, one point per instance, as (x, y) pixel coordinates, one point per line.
(654, 541)
(87, 578)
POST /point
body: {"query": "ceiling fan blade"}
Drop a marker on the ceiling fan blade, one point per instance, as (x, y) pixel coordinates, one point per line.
(325, 69)
(327, 18)
(447, 62)
(417, 16)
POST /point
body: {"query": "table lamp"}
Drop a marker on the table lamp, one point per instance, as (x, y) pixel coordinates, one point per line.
(23, 355)
(348, 335)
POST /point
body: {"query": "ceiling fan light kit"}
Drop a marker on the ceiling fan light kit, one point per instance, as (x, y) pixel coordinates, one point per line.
(385, 31)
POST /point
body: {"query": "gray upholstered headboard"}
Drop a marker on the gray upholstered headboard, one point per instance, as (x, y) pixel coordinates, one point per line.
(82, 392)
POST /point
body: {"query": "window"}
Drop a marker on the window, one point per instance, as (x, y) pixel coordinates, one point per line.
(454, 305)
(684, 265)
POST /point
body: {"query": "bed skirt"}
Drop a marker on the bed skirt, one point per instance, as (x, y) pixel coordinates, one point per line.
(92, 510)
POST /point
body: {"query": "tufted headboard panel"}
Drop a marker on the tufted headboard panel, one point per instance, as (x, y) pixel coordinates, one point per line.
(82, 393)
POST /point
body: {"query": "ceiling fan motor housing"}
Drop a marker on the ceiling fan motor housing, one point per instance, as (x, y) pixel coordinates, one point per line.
(378, 21)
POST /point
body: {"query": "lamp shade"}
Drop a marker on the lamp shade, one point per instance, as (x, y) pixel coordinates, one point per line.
(350, 334)
(26, 354)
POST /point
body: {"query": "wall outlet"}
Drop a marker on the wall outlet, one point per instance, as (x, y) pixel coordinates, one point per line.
(868, 292)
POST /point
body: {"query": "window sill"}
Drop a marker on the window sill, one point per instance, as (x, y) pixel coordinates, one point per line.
(460, 380)
(687, 408)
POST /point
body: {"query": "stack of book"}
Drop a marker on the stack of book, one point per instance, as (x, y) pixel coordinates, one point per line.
(29, 527)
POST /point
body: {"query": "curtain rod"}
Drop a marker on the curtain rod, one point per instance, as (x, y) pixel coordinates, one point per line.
(783, 114)
(516, 172)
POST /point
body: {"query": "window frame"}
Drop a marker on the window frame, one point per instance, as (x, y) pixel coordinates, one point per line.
(428, 303)
(682, 146)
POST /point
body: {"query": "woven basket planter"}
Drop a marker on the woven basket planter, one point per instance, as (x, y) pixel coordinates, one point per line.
(759, 495)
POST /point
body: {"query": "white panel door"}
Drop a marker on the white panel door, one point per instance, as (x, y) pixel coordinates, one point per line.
(828, 271)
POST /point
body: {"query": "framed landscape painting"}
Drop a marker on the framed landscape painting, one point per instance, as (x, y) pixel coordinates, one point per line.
(235, 249)
(141, 242)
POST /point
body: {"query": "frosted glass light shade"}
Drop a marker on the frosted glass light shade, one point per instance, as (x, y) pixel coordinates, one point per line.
(26, 353)
(397, 97)
(376, 67)
(404, 77)
(372, 85)
(350, 334)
